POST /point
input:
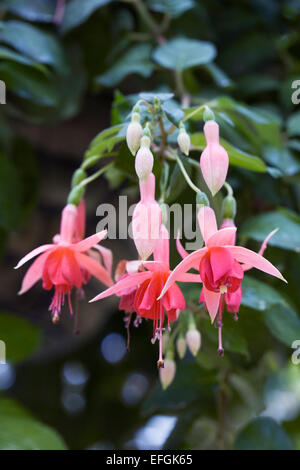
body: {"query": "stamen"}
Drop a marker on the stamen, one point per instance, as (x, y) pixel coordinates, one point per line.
(223, 289)
(160, 362)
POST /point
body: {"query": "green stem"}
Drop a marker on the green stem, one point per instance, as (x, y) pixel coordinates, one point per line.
(228, 188)
(95, 175)
(147, 18)
(186, 176)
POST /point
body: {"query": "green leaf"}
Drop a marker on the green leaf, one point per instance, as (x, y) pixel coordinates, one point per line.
(150, 97)
(288, 235)
(173, 111)
(183, 53)
(77, 12)
(283, 159)
(35, 10)
(260, 296)
(33, 42)
(218, 75)
(263, 434)
(283, 323)
(104, 142)
(19, 431)
(135, 61)
(173, 8)
(29, 84)
(21, 337)
(9, 54)
(236, 156)
(293, 124)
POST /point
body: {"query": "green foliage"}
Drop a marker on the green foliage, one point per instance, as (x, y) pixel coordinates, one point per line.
(20, 431)
(77, 12)
(263, 434)
(182, 53)
(21, 338)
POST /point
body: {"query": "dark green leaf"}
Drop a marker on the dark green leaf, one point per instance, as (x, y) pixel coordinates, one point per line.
(135, 61)
(260, 296)
(9, 54)
(173, 111)
(263, 434)
(33, 42)
(293, 124)
(105, 141)
(19, 431)
(78, 11)
(282, 158)
(150, 97)
(35, 10)
(182, 53)
(288, 235)
(173, 8)
(21, 338)
(283, 323)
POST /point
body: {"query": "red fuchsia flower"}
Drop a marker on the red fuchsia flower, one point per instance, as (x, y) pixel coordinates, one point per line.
(214, 159)
(219, 264)
(148, 284)
(146, 219)
(66, 263)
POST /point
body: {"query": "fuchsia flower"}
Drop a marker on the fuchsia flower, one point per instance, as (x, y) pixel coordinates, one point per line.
(214, 159)
(148, 284)
(67, 262)
(219, 266)
(146, 219)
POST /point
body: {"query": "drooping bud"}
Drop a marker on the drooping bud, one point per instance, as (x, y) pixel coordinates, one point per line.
(144, 160)
(183, 140)
(167, 373)
(146, 219)
(134, 132)
(214, 159)
(229, 207)
(193, 339)
(201, 200)
(181, 346)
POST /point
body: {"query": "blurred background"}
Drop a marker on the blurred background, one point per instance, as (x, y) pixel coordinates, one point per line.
(68, 67)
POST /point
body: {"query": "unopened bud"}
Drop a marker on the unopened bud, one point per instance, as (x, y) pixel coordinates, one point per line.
(184, 141)
(134, 133)
(193, 339)
(181, 346)
(76, 195)
(201, 200)
(144, 160)
(229, 207)
(78, 176)
(167, 373)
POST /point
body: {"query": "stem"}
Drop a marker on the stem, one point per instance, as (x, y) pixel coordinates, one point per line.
(59, 11)
(94, 176)
(148, 20)
(164, 136)
(186, 176)
(228, 188)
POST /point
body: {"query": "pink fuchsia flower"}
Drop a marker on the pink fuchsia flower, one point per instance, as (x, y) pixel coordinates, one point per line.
(149, 284)
(66, 263)
(214, 159)
(146, 219)
(219, 263)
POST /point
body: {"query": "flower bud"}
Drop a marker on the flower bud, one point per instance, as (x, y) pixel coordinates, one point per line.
(78, 176)
(144, 160)
(201, 200)
(184, 141)
(134, 133)
(167, 373)
(214, 159)
(193, 339)
(181, 346)
(229, 207)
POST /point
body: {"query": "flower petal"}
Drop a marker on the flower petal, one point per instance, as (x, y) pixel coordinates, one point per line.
(34, 273)
(107, 256)
(161, 250)
(94, 268)
(128, 281)
(89, 242)
(33, 253)
(212, 300)
(225, 236)
(186, 264)
(243, 255)
(221, 261)
(189, 277)
(207, 222)
(183, 253)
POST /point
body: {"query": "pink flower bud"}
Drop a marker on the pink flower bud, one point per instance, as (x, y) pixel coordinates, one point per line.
(167, 373)
(193, 339)
(181, 347)
(134, 134)
(214, 159)
(144, 160)
(184, 142)
(146, 219)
